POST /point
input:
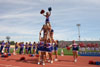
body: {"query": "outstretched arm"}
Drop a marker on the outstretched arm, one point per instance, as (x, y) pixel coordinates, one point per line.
(70, 45)
(44, 14)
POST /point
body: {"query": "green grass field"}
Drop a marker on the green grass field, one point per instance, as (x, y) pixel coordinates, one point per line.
(66, 52)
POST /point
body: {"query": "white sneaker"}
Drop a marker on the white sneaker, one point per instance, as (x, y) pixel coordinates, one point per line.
(41, 60)
(5, 53)
(56, 59)
(43, 64)
(51, 62)
(48, 60)
(14, 53)
(38, 63)
(75, 60)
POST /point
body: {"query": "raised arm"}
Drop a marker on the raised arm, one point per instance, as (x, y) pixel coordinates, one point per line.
(49, 13)
(44, 14)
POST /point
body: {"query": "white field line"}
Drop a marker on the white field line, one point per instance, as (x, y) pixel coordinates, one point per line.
(5, 65)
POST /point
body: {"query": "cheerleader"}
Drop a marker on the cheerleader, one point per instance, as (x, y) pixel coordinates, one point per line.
(16, 48)
(7, 47)
(75, 48)
(2, 46)
(26, 48)
(34, 47)
(49, 50)
(47, 17)
(40, 48)
(45, 29)
(30, 47)
(56, 50)
(21, 48)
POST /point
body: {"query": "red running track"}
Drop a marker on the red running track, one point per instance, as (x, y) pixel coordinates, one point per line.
(64, 61)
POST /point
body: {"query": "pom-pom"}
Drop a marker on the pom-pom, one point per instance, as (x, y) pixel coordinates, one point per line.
(6, 56)
(42, 11)
(37, 55)
(52, 30)
(68, 48)
(49, 9)
(22, 58)
(90, 62)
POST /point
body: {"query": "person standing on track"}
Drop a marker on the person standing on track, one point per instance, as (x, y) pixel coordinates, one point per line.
(7, 47)
(34, 47)
(21, 48)
(2, 46)
(26, 48)
(75, 48)
(56, 50)
(30, 48)
(16, 48)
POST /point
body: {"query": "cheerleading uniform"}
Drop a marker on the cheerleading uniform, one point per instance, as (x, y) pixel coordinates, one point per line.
(75, 47)
(2, 46)
(52, 47)
(7, 47)
(38, 46)
(47, 19)
(26, 47)
(55, 47)
(34, 47)
(52, 30)
(48, 47)
(21, 48)
(29, 49)
(41, 46)
(16, 46)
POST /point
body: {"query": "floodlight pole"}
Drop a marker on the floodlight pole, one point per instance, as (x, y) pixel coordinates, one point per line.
(78, 25)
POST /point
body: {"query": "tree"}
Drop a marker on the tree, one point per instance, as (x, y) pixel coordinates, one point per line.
(8, 38)
(12, 42)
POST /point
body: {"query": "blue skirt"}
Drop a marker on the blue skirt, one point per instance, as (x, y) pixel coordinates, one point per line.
(55, 48)
(76, 49)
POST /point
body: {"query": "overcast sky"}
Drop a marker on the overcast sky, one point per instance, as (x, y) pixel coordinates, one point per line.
(22, 21)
